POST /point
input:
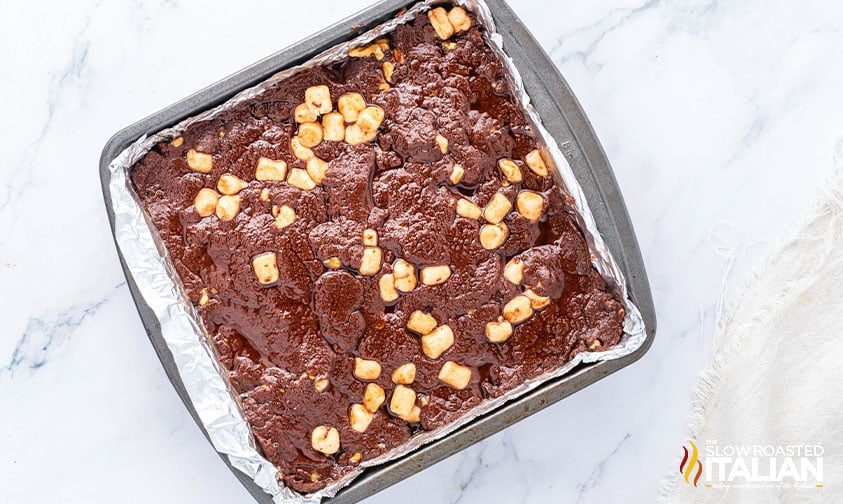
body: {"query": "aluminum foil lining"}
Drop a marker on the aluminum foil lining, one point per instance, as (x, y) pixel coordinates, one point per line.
(214, 400)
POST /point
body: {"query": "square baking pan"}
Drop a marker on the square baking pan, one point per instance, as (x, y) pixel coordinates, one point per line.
(564, 119)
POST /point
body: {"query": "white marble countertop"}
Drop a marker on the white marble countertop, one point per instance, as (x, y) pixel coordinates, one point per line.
(718, 117)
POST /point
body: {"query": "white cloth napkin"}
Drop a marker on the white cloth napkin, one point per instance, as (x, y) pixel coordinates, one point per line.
(776, 375)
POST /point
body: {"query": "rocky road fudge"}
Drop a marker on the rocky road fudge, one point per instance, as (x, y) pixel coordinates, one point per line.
(376, 246)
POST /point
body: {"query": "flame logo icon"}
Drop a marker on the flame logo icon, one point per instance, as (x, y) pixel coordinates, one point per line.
(688, 464)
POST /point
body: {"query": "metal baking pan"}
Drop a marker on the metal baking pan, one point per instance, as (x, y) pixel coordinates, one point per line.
(564, 119)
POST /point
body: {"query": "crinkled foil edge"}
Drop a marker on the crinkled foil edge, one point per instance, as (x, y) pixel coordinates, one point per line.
(205, 380)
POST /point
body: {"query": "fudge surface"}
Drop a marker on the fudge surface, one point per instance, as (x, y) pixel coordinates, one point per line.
(376, 246)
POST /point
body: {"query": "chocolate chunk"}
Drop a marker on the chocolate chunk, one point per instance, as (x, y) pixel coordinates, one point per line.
(543, 270)
(337, 295)
(342, 238)
(347, 184)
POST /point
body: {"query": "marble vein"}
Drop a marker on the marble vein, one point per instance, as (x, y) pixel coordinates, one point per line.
(600, 29)
(49, 330)
(584, 487)
(469, 472)
(481, 462)
(20, 179)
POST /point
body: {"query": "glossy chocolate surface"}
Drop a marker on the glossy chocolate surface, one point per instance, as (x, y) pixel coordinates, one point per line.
(280, 341)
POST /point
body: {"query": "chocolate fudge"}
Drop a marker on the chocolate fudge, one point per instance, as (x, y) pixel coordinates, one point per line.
(376, 246)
